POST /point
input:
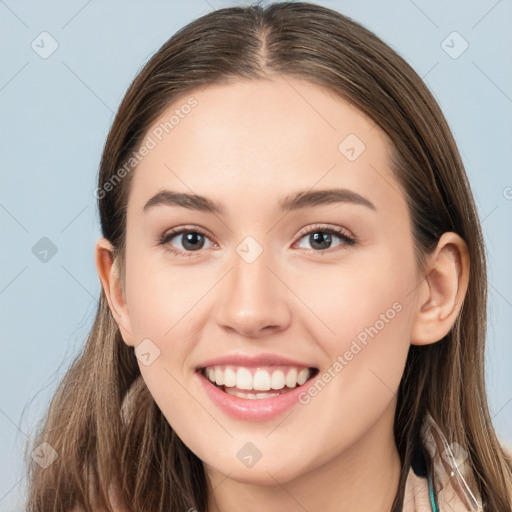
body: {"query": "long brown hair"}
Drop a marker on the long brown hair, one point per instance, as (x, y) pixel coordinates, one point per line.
(141, 455)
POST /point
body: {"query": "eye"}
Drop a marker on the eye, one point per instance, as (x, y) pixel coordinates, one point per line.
(191, 240)
(321, 238)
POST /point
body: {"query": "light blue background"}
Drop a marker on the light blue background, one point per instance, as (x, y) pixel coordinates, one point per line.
(55, 116)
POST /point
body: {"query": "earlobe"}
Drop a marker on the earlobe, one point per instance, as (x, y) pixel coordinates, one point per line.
(441, 294)
(110, 281)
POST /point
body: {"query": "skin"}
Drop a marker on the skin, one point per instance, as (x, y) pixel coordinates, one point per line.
(247, 145)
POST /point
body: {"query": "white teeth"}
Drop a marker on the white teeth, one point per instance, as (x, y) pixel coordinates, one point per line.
(250, 396)
(243, 379)
(260, 379)
(229, 378)
(303, 376)
(291, 378)
(219, 376)
(277, 381)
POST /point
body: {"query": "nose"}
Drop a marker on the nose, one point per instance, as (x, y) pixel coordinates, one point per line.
(253, 299)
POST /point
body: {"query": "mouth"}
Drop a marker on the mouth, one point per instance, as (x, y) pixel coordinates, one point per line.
(257, 383)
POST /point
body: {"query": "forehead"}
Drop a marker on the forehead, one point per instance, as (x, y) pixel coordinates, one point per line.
(262, 138)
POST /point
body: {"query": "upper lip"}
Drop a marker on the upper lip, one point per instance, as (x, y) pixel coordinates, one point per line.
(264, 359)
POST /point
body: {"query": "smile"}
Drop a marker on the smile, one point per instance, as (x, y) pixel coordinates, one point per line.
(247, 382)
(254, 393)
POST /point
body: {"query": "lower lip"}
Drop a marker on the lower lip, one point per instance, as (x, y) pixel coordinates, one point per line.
(258, 409)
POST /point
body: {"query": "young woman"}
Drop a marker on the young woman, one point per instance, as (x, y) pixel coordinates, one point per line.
(293, 300)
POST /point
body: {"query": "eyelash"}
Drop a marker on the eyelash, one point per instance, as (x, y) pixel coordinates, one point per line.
(348, 241)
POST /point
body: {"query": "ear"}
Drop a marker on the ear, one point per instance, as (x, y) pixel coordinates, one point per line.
(108, 273)
(442, 291)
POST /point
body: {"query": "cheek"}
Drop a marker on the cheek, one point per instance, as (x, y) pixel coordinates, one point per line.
(163, 309)
(357, 301)
(364, 316)
(161, 299)
(366, 342)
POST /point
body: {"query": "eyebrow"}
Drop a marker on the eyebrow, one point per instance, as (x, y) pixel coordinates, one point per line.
(302, 199)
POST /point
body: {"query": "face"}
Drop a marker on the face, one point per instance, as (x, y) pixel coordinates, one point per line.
(284, 284)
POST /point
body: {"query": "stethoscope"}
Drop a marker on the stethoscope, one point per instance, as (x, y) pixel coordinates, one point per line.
(419, 465)
(432, 494)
